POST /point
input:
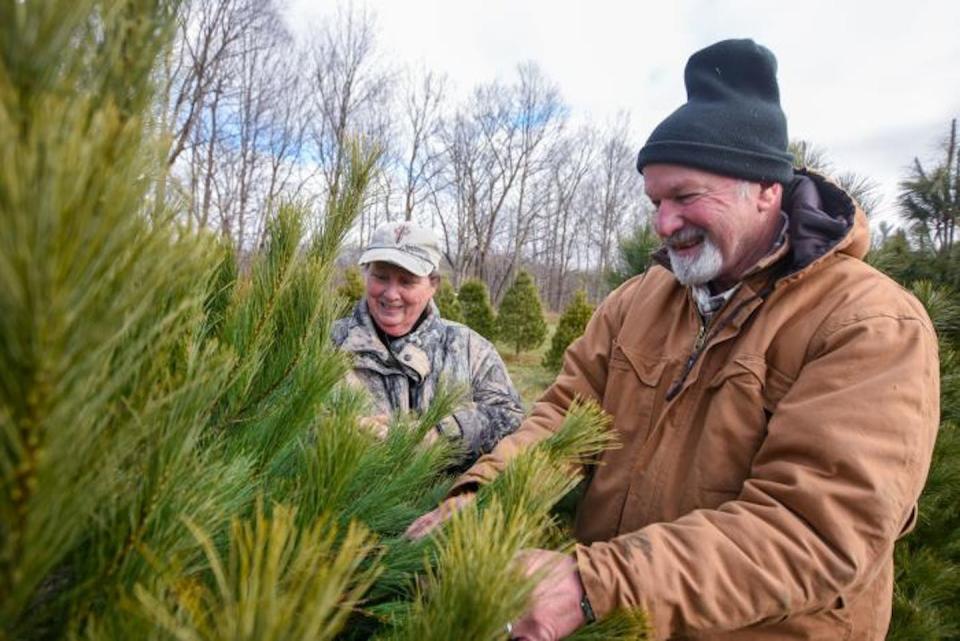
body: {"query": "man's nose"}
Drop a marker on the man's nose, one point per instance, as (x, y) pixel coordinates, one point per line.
(667, 219)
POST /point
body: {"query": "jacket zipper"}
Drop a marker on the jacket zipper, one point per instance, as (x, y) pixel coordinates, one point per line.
(698, 344)
(703, 336)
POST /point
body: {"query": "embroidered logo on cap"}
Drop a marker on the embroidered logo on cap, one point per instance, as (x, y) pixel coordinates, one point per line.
(400, 232)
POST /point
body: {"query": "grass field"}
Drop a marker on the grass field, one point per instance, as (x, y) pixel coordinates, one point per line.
(526, 369)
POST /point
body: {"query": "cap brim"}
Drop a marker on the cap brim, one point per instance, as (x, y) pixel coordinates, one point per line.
(412, 264)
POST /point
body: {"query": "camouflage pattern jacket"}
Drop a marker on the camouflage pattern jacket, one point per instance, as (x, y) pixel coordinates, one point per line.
(403, 376)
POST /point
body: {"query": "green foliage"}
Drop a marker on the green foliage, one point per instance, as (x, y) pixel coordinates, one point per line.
(447, 302)
(634, 254)
(477, 547)
(280, 581)
(474, 550)
(178, 456)
(94, 296)
(570, 326)
(352, 289)
(478, 313)
(930, 198)
(928, 560)
(520, 321)
(864, 190)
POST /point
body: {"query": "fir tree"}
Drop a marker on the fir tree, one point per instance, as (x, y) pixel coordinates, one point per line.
(447, 302)
(478, 313)
(352, 289)
(570, 326)
(520, 320)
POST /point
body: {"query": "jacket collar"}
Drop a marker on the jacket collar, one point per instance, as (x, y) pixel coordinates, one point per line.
(406, 353)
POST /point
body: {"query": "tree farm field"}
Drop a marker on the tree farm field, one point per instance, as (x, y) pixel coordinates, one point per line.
(526, 369)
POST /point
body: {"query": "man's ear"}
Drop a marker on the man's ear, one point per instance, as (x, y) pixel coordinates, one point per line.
(770, 197)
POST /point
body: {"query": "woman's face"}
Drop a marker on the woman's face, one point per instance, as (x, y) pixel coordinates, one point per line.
(396, 298)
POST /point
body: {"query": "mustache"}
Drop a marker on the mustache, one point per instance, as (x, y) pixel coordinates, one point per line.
(685, 236)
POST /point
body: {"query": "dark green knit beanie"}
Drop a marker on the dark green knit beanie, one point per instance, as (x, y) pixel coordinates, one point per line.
(732, 123)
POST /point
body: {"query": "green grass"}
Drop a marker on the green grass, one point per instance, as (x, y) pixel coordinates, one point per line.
(526, 369)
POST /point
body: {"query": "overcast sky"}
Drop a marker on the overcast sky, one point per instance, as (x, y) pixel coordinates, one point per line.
(873, 83)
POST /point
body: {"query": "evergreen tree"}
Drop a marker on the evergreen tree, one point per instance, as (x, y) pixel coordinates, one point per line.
(447, 302)
(478, 313)
(352, 289)
(634, 253)
(927, 569)
(864, 190)
(930, 198)
(178, 458)
(520, 319)
(570, 326)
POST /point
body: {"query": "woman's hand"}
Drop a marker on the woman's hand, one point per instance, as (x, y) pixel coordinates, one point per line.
(377, 425)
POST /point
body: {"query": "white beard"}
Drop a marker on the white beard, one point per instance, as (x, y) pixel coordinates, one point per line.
(699, 269)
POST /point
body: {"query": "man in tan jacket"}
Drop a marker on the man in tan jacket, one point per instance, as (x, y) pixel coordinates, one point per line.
(776, 397)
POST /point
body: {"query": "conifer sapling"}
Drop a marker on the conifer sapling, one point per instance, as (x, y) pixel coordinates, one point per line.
(520, 321)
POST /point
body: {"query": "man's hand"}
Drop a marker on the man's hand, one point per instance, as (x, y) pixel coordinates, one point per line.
(432, 520)
(554, 611)
(377, 425)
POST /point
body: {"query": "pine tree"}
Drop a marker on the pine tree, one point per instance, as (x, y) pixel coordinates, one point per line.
(478, 312)
(930, 197)
(178, 458)
(570, 326)
(447, 302)
(520, 319)
(352, 289)
(927, 568)
(634, 254)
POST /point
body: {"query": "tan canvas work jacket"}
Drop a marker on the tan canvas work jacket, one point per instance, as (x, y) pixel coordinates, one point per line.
(769, 460)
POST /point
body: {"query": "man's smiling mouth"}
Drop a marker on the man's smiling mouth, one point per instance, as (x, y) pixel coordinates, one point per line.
(684, 240)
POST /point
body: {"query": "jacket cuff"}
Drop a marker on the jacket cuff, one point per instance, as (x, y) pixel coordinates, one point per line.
(450, 428)
(593, 584)
(471, 480)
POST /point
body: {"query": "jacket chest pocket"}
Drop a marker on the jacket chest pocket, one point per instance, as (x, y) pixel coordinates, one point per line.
(633, 395)
(729, 426)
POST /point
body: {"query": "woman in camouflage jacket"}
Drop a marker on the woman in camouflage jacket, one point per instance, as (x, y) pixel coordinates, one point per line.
(402, 348)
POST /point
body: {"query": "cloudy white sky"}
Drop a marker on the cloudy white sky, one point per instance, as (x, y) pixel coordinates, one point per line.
(872, 82)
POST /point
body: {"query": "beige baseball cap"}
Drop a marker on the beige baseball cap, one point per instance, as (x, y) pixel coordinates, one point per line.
(412, 247)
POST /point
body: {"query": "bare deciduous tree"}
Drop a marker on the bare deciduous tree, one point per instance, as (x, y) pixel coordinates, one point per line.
(422, 105)
(237, 103)
(351, 90)
(616, 194)
(496, 147)
(207, 37)
(499, 175)
(572, 162)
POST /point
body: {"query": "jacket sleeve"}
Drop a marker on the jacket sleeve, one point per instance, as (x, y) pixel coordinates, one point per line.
(495, 408)
(843, 462)
(583, 375)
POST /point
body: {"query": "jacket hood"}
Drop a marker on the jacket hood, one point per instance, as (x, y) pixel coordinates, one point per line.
(823, 219)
